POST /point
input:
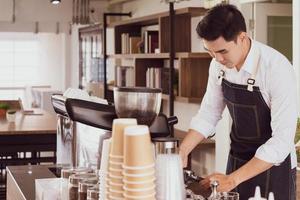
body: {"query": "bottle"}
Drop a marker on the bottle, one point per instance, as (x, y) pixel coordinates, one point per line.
(271, 196)
(257, 195)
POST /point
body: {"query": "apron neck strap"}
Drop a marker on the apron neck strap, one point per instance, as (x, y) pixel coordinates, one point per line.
(251, 80)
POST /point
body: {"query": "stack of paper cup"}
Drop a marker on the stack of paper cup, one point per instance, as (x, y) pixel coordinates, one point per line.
(103, 172)
(169, 177)
(138, 167)
(116, 157)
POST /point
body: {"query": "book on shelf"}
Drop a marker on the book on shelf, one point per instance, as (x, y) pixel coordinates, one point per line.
(150, 41)
(153, 77)
(133, 44)
(129, 43)
(160, 77)
(124, 76)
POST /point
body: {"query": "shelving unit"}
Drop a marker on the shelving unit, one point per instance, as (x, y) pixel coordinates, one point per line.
(91, 60)
(192, 66)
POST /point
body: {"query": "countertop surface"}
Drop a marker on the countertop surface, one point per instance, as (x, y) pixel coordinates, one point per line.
(37, 122)
(21, 180)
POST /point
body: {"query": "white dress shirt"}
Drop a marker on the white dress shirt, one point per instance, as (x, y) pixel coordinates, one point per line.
(277, 83)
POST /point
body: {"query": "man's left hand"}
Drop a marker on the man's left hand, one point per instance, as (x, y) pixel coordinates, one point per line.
(226, 182)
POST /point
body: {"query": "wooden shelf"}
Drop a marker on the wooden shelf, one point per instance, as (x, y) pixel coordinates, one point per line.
(153, 19)
(192, 55)
(181, 134)
(160, 55)
(191, 67)
(141, 55)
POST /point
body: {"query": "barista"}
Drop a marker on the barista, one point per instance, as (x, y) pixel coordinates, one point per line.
(258, 86)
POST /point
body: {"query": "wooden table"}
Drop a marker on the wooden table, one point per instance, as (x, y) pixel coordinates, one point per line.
(21, 184)
(34, 133)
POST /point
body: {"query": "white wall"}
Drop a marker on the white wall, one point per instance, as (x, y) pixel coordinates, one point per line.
(51, 60)
(60, 57)
(27, 12)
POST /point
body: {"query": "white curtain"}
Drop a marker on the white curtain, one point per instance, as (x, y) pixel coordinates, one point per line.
(28, 59)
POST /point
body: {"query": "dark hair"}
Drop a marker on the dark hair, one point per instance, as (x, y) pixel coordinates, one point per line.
(222, 20)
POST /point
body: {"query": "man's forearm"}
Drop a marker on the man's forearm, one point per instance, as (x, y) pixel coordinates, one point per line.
(191, 140)
(252, 168)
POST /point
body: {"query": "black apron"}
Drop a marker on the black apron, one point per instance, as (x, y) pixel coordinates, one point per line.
(250, 129)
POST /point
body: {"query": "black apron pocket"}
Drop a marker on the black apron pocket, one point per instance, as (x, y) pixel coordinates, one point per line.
(246, 125)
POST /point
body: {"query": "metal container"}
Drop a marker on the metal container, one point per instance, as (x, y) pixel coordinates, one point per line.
(84, 185)
(166, 145)
(138, 102)
(93, 193)
(73, 184)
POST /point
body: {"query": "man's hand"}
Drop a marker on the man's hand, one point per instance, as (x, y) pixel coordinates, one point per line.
(226, 182)
(188, 144)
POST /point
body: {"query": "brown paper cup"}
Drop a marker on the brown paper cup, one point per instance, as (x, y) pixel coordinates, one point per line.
(118, 135)
(115, 198)
(115, 159)
(139, 182)
(116, 193)
(149, 197)
(115, 165)
(139, 175)
(138, 179)
(139, 171)
(139, 193)
(139, 186)
(115, 188)
(138, 150)
(116, 180)
(115, 171)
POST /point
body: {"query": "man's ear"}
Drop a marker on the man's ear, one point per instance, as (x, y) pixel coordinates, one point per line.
(242, 36)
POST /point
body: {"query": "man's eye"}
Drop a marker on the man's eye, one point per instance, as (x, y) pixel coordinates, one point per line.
(224, 52)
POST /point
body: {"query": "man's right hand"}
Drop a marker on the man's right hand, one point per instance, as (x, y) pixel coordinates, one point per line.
(190, 141)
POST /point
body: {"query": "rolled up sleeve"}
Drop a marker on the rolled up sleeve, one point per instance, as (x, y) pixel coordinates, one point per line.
(212, 105)
(284, 111)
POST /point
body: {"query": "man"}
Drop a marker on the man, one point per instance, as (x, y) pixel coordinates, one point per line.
(258, 86)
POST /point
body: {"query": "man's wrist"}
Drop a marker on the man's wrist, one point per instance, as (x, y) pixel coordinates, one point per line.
(183, 150)
(235, 179)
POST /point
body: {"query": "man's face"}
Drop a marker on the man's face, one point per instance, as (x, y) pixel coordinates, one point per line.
(229, 54)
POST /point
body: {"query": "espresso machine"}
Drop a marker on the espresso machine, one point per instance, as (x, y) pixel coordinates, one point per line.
(140, 103)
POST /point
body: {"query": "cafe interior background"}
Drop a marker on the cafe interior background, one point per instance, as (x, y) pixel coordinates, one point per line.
(40, 53)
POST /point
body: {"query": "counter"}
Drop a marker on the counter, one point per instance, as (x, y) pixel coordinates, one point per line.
(21, 184)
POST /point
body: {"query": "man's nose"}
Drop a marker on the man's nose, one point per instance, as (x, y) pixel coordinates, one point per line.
(219, 57)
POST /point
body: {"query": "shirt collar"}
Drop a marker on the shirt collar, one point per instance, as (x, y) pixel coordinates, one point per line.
(251, 59)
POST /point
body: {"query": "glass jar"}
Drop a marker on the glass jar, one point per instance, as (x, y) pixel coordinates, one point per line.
(74, 183)
(93, 193)
(84, 185)
(65, 174)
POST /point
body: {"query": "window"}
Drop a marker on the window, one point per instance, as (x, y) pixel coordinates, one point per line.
(18, 62)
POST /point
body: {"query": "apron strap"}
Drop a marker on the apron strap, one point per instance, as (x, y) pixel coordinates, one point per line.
(251, 80)
(221, 76)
